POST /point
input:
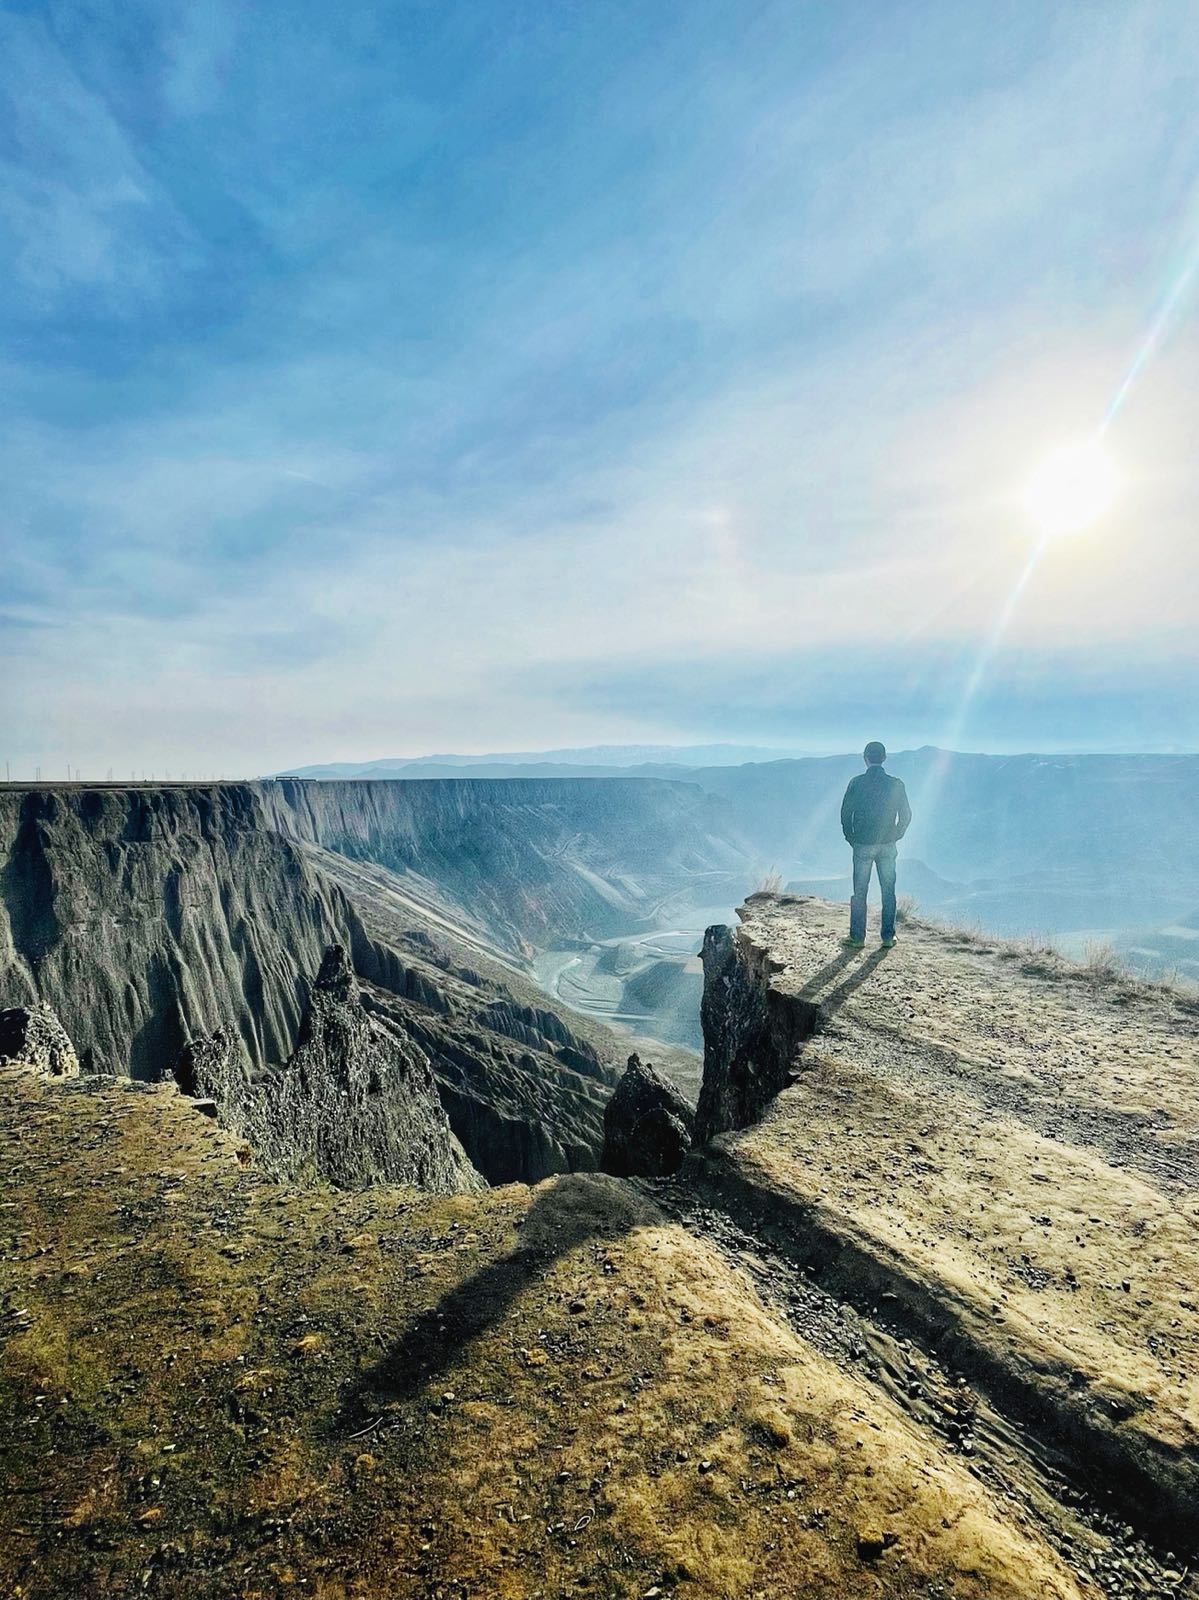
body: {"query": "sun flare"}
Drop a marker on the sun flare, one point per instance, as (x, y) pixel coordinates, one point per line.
(1072, 488)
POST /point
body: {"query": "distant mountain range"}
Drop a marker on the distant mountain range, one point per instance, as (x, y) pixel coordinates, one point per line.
(1098, 846)
(599, 759)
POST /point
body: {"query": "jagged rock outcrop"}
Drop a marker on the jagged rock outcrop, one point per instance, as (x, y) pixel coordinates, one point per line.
(213, 1067)
(751, 1035)
(648, 1126)
(34, 1036)
(355, 1104)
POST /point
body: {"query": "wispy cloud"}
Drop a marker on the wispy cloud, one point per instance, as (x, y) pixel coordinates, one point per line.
(435, 379)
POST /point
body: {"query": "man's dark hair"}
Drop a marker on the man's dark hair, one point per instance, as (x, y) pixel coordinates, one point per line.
(875, 753)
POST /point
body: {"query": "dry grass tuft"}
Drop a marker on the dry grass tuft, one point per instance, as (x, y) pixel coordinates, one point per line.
(1038, 956)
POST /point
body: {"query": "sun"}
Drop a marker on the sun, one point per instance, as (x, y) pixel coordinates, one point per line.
(1072, 488)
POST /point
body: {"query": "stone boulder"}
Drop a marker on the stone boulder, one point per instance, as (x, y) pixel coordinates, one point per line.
(34, 1036)
(648, 1125)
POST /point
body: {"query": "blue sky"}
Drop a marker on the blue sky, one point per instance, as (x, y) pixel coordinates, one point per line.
(474, 376)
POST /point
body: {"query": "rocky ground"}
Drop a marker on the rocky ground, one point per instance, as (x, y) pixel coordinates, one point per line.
(867, 1337)
(1000, 1152)
(215, 1385)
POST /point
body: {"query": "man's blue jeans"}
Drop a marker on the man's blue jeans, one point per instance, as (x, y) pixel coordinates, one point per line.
(882, 858)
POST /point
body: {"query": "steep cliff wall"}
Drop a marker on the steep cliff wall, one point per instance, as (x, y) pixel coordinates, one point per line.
(751, 1032)
(521, 1112)
(145, 917)
(533, 860)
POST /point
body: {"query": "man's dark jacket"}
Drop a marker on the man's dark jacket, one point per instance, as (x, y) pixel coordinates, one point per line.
(875, 811)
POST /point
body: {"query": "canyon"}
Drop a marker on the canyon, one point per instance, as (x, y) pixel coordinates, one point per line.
(337, 1256)
(154, 918)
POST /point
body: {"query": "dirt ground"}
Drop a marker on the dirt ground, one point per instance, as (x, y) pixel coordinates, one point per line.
(215, 1386)
(1008, 1148)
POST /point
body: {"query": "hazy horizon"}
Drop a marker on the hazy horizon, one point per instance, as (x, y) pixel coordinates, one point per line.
(613, 756)
(730, 754)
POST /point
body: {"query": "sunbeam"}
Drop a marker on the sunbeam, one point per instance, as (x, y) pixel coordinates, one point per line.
(1157, 332)
(993, 641)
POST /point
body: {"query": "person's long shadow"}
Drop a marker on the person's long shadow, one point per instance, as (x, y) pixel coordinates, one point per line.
(569, 1212)
(836, 998)
(811, 989)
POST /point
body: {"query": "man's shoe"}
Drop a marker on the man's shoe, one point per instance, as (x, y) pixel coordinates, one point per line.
(853, 944)
(889, 944)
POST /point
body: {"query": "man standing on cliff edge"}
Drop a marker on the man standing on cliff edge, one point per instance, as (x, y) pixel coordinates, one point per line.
(874, 815)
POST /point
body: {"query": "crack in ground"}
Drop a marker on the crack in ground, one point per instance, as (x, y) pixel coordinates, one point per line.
(1094, 1542)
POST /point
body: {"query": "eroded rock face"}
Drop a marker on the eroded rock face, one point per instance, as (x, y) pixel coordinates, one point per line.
(534, 859)
(356, 1103)
(147, 917)
(751, 1035)
(34, 1036)
(521, 1115)
(648, 1126)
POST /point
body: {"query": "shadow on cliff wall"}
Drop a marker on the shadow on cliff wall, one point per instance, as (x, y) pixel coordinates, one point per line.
(27, 894)
(566, 1212)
